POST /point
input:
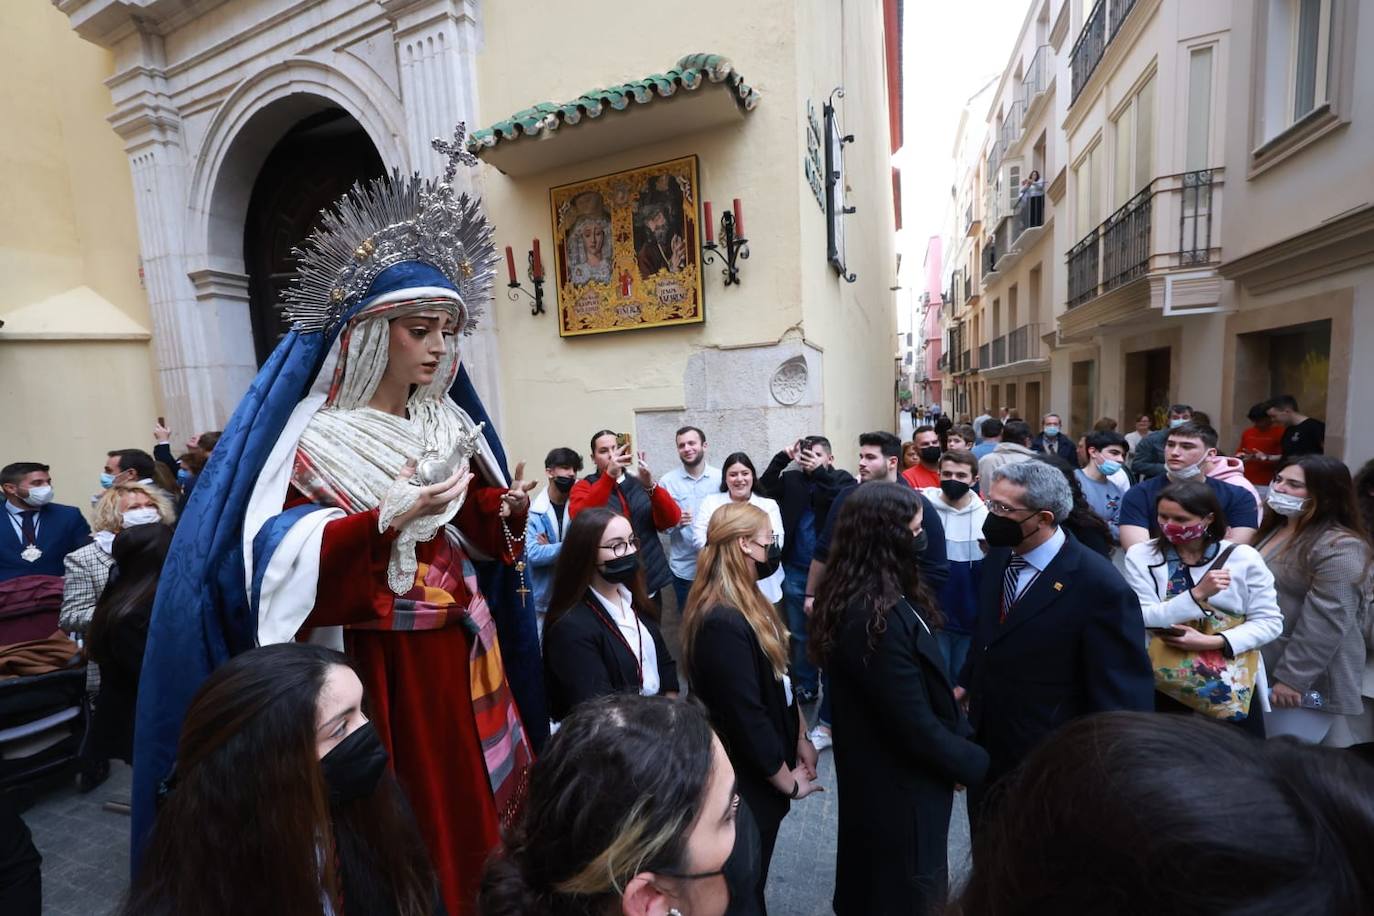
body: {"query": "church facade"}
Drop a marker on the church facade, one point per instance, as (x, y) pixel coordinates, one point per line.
(240, 120)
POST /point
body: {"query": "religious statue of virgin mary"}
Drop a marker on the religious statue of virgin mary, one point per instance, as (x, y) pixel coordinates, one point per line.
(358, 497)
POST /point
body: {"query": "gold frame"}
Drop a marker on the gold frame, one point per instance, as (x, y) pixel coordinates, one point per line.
(613, 274)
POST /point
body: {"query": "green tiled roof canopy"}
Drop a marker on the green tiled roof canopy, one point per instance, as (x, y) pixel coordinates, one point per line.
(690, 73)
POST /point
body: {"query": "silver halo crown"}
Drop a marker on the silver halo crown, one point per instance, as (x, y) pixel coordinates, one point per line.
(386, 221)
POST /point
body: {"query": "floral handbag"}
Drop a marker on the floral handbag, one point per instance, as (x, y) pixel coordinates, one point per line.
(1207, 682)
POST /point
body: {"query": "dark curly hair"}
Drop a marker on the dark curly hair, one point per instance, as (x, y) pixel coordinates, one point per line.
(872, 566)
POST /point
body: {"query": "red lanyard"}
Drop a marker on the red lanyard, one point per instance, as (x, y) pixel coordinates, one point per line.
(614, 627)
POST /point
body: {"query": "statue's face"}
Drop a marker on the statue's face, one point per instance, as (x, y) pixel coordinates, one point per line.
(418, 345)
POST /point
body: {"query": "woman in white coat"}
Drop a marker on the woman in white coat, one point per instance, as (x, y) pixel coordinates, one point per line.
(737, 480)
(1179, 581)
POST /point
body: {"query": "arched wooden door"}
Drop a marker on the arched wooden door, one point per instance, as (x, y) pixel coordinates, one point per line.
(312, 166)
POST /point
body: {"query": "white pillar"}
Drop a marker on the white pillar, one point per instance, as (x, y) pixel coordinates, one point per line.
(436, 46)
(198, 346)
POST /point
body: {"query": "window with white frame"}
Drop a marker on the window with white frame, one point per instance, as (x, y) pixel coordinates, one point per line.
(1197, 153)
(1133, 132)
(1296, 62)
(1087, 181)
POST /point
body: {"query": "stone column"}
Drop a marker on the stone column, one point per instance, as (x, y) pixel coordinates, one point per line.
(199, 352)
(436, 47)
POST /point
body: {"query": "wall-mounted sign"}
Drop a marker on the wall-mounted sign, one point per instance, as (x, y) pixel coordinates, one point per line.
(811, 165)
(626, 250)
(835, 209)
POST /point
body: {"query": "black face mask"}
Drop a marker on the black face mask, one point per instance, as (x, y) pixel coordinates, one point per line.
(564, 484)
(355, 765)
(1001, 531)
(763, 570)
(742, 868)
(930, 454)
(954, 490)
(620, 570)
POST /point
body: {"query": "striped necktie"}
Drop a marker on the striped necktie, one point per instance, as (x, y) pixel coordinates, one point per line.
(1009, 579)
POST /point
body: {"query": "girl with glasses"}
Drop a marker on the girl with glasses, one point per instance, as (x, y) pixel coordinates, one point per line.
(601, 635)
(735, 647)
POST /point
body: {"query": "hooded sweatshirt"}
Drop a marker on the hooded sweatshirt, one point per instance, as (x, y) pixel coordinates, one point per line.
(1005, 453)
(963, 530)
(1232, 471)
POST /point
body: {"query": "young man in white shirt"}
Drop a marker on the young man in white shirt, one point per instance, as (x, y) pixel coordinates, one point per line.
(962, 514)
(688, 485)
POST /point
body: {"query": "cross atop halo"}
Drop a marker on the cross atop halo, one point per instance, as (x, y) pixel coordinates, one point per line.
(455, 152)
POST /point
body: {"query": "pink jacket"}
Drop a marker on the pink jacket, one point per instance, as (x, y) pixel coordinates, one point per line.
(1232, 471)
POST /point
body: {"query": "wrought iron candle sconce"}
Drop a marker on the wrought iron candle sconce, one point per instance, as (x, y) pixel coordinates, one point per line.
(733, 246)
(534, 271)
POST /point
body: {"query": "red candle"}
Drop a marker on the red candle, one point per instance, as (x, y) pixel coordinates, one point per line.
(739, 220)
(538, 263)
(710, 226)
(510, 265)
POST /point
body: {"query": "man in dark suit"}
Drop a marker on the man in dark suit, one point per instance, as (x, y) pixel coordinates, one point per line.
(1052, 440)
(37, 534)
(1059, 633)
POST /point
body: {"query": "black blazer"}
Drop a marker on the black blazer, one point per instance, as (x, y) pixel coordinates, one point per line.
(1073, 644)
(112, 729)
(900, 746)
(583, 659)
(795, 490)
(748, 704)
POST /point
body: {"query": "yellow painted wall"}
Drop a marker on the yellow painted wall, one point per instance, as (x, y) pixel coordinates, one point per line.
(76, 373)
(557, 391)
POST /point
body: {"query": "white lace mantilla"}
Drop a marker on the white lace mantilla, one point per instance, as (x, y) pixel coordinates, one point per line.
(355, 455)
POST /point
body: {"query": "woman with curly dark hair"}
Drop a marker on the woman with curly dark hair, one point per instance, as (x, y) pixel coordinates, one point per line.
(900, 746)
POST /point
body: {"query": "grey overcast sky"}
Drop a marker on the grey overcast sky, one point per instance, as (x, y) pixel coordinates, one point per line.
(950, 50)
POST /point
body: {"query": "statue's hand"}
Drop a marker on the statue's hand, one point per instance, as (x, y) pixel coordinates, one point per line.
(404, 502)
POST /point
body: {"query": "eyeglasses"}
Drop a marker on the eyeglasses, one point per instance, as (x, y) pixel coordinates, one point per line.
(621, 547)
(997, 508)
(771, 542)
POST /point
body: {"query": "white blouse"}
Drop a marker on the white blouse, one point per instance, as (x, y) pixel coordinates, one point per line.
(770, 587)
(637, 636)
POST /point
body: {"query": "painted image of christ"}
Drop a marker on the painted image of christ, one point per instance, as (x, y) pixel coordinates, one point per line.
(660, 240)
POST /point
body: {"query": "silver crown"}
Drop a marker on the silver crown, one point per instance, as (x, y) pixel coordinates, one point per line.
(384, 222)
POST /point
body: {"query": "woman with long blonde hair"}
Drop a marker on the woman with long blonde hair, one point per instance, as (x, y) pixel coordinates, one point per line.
(735, 646)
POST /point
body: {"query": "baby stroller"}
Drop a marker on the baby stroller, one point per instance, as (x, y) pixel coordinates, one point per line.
(45, 712)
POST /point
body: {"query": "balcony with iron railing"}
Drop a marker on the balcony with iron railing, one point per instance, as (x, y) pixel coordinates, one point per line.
(1172, 222)
(1037, 78)
(1011, 126)
(994, 160)
(1022, 343)
(1099, 29)
(999, 351)
(984, 356)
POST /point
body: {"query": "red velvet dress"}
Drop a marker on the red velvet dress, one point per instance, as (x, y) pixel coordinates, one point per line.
(418, 688)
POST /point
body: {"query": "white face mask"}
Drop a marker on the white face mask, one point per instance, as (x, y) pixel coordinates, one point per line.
(144, 516)
(1191, 471)
(39, 496)
(1285, 504)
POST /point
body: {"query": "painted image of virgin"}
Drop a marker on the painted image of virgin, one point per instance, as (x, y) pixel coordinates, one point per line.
(588, 248)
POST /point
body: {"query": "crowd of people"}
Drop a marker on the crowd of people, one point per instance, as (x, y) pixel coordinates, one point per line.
(952, 618)
(360, 665)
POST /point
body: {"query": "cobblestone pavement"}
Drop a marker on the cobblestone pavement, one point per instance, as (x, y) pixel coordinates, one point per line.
(85, 847)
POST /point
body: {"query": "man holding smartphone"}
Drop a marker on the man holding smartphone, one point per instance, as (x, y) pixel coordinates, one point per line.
(649, 507)
(803, 480)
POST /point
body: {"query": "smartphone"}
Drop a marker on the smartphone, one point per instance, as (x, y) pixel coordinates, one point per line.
(1168, 631)
(622, 440)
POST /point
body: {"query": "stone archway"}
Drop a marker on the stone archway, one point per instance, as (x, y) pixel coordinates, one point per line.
(315, 163)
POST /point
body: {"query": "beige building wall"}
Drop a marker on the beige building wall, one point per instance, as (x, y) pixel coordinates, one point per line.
(76, 371)
(557, 391)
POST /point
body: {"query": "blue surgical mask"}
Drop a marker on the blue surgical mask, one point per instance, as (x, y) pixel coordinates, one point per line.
(1109, 467)
(183, 476)
(1176, 422)
(1051, 431)
(106, 480)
